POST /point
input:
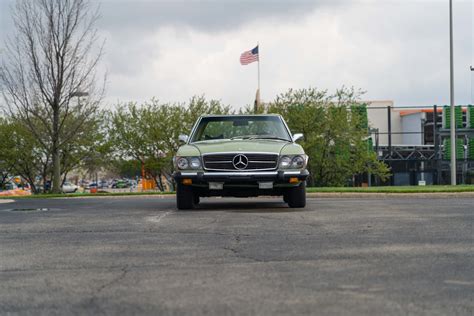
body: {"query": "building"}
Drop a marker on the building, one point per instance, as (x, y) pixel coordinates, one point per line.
(415, 143)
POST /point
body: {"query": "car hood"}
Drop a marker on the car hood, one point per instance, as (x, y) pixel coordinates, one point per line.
(264, 146)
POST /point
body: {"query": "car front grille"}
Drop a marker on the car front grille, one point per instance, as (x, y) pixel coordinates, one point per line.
(255, 161)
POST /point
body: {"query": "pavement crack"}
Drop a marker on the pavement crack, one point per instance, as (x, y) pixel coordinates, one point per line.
(235, 244)
(235, 248)
(92, 302)
(115, 280)
(235, 251)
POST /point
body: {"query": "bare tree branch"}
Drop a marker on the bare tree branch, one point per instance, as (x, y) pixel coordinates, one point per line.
(53, 56)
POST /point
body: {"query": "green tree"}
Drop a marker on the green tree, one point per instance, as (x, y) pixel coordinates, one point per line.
(91, 148)
(51, 59)
(333, 137)
(6, 145)
(149, 132)
(22, 154)
(26, 155)
(126, 168)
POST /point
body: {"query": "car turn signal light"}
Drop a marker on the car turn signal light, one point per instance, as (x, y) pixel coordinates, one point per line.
(294, 180)
(187, 181)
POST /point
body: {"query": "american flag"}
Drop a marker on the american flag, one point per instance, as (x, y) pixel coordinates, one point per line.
(249, 56)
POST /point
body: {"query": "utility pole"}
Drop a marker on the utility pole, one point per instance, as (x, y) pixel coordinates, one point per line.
(451, 83)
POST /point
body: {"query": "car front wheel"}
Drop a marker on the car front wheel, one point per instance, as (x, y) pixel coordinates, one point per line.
(196, 199)
(296, 197)
(185, 197)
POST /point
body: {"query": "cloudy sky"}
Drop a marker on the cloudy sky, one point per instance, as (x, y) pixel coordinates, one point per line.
(393, 49)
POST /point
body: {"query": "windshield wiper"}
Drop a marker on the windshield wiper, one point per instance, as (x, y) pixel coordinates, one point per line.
(210, 140)
(269, 137)
(243, 137)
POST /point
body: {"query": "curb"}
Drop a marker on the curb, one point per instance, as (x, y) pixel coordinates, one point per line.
(427, 195)
(159, 196)
(343, 195)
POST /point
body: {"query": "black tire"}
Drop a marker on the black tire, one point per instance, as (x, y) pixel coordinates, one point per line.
(196, 199)
(285, 197)
(297, 196)
(185, 199)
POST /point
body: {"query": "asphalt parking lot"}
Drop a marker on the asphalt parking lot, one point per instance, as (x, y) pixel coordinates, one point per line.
(237, 256)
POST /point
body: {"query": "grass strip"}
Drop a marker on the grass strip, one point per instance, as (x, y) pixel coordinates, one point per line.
(385, 189)
(394, 189)
(78, 195)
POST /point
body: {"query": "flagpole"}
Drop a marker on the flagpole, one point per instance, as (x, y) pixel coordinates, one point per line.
(257, 97)
(258, 45)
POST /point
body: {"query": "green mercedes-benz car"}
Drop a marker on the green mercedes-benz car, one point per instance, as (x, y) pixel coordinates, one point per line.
(240, 156)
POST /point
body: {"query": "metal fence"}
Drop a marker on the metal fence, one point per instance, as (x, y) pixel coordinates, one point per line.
(414, 142)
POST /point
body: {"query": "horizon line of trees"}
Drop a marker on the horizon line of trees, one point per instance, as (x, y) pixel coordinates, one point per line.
(133, 135)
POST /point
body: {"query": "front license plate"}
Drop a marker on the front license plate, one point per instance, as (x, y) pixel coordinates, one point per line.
(216, 185)
(265, 185)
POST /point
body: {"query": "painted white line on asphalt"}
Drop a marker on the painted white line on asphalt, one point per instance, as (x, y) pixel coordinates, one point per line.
(6, 201)
(157, 219)
(459, 282)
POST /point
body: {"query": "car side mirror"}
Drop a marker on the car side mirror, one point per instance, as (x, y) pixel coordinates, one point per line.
(183, 138)
(297, 136)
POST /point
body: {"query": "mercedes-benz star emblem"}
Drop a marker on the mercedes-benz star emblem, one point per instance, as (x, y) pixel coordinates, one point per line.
(240, 161)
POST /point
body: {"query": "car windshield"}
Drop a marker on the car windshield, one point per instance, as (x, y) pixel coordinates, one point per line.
(240, 127)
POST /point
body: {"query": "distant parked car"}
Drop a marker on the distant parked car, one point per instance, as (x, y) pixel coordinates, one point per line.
(69, 188)
(47, 186)
(121, 184)
(10, 186)
(102, 184)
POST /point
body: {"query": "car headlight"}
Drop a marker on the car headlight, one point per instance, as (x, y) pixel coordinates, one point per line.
(298, 162)
(188, 162)
(182, 163)
(285, 162)
(195, 163)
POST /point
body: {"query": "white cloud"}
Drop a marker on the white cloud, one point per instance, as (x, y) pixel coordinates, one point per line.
(394, 50)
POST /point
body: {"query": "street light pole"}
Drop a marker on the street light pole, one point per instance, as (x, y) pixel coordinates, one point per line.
(451, 82)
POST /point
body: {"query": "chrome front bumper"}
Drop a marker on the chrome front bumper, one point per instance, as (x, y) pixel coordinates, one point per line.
(230, 176)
